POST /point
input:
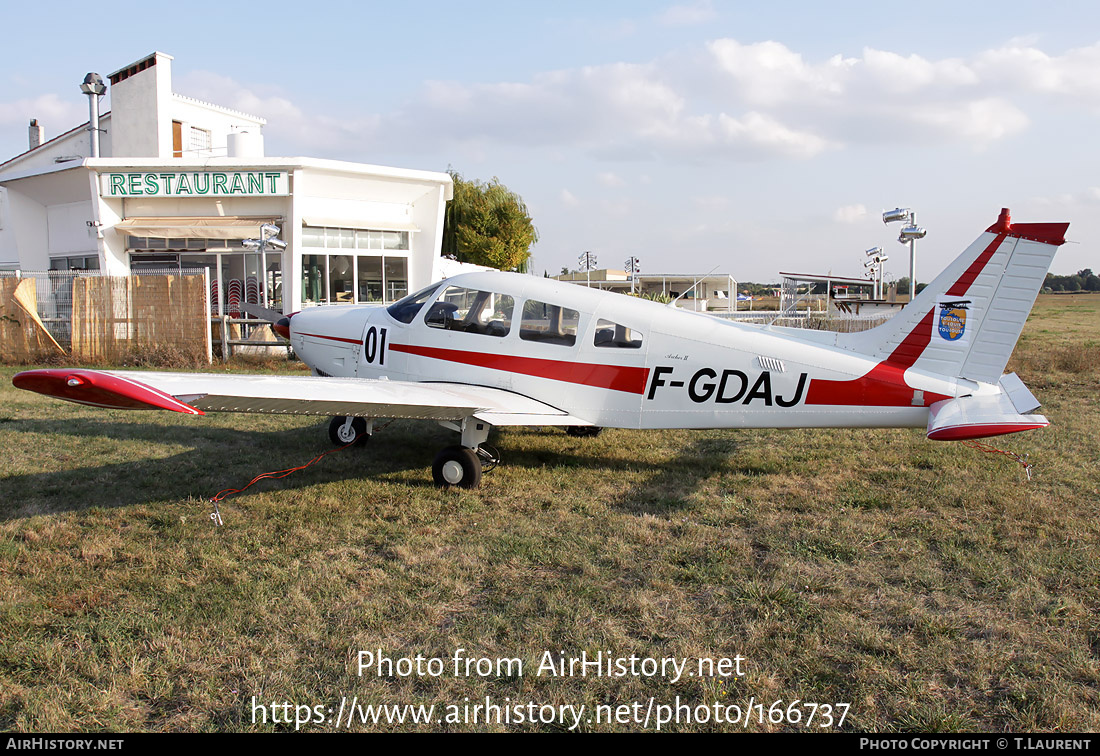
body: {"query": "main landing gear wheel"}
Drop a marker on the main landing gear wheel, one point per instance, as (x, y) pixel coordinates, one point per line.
(457, 466)
(343, 434)
(582, 431)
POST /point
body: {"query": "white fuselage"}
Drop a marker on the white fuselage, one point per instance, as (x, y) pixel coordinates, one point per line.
(688, 371)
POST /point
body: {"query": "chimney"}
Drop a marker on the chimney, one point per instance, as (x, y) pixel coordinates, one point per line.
(37, 134)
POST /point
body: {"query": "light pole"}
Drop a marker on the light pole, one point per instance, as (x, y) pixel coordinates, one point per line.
(633, 266)
(268, 238)
(94, 87)
(909, 233)
(587, 261)
(875, 264)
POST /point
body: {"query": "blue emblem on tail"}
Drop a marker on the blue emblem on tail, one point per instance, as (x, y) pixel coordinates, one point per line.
(952, 320)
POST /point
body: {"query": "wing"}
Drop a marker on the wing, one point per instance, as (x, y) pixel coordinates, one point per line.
(198, 393)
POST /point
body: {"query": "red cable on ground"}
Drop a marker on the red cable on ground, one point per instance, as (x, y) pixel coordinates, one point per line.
(277, 474)
(994, 450)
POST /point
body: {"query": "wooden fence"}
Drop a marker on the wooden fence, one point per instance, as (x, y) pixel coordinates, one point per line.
(105, 319)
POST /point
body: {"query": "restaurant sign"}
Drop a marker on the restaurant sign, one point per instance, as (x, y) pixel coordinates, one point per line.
(196, 184)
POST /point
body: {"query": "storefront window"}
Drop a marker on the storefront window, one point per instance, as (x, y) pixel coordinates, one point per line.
(341, 278)
(349, 238)
(370, 276)
(397, 277)
(370, 279)
(313, 277)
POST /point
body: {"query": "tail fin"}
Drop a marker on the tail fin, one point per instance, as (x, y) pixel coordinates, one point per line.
(966, 322)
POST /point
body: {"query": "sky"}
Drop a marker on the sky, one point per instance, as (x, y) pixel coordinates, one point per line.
(743, 137)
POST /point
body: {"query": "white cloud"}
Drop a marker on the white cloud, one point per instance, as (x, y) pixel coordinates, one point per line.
(757, 131)
(725, 99)
(980, 121)
(688, 14)
(850, 214)
(608, 178)
(55, 115)
(568, 198)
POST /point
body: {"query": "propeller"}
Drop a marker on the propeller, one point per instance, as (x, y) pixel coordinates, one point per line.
(280, 323)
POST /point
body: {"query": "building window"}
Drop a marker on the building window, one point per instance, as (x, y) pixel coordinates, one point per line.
(200, 139)
(75, 263)
(336, 275)
(354, 238)
(134, 243)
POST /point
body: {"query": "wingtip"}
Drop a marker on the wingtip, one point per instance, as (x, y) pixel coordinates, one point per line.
(99, 389)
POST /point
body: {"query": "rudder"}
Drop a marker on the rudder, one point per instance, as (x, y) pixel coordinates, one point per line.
(966, 322)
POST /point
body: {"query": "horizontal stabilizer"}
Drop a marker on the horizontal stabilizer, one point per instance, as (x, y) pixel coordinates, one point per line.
(969, 417)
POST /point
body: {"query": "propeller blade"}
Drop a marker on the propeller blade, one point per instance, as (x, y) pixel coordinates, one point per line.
(262, 313)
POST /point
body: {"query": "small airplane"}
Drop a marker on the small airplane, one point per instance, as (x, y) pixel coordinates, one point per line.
(502, 349)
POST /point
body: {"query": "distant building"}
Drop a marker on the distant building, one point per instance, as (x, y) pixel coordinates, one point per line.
(835, 295)
(180, 183)
(703, 293)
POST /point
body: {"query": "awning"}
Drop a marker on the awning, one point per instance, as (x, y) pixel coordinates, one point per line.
(184, 227)
(319, 222)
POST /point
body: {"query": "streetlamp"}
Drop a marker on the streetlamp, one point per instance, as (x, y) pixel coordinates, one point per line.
(268, 238)
(94, 87)
(909, 233)
(587, 262)
(633, 266)
(875, 264)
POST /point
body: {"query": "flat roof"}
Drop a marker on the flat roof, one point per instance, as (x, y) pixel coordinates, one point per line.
(825, 278)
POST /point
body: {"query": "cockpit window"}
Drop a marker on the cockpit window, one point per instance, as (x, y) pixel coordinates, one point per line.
(472, 311)
(614, 336)
(549, 323)
(405, 309)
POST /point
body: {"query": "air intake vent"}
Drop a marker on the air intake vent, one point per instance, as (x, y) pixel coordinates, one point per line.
(771, 363)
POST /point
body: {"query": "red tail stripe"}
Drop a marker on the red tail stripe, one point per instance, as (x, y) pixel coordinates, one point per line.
(966, 279)
(884, 385)
(631, 380)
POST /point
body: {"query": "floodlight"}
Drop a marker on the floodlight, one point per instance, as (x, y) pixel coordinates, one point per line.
(874, 251)
(911, 233)
(268, 231)
(897, 214)
(93, 85)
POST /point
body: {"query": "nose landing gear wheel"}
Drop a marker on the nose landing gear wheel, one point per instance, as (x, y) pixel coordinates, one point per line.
(457, 466)
(342, 434)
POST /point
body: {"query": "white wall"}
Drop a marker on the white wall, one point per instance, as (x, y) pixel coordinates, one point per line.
(68, 231)
(220, 122)
(139, 107)
(30, 234)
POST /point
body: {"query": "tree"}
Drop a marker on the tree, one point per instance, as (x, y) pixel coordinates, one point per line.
(487, 224)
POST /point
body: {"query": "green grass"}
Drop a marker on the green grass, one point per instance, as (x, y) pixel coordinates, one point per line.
(928, 585)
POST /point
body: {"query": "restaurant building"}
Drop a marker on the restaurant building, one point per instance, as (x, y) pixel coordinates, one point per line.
(168, 181)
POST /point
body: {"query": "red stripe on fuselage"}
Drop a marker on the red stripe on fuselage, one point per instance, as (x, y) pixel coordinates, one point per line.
(884, 385)
(330, 338)
(631, 380)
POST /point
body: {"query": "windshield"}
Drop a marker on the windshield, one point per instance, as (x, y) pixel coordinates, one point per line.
(405, 309)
